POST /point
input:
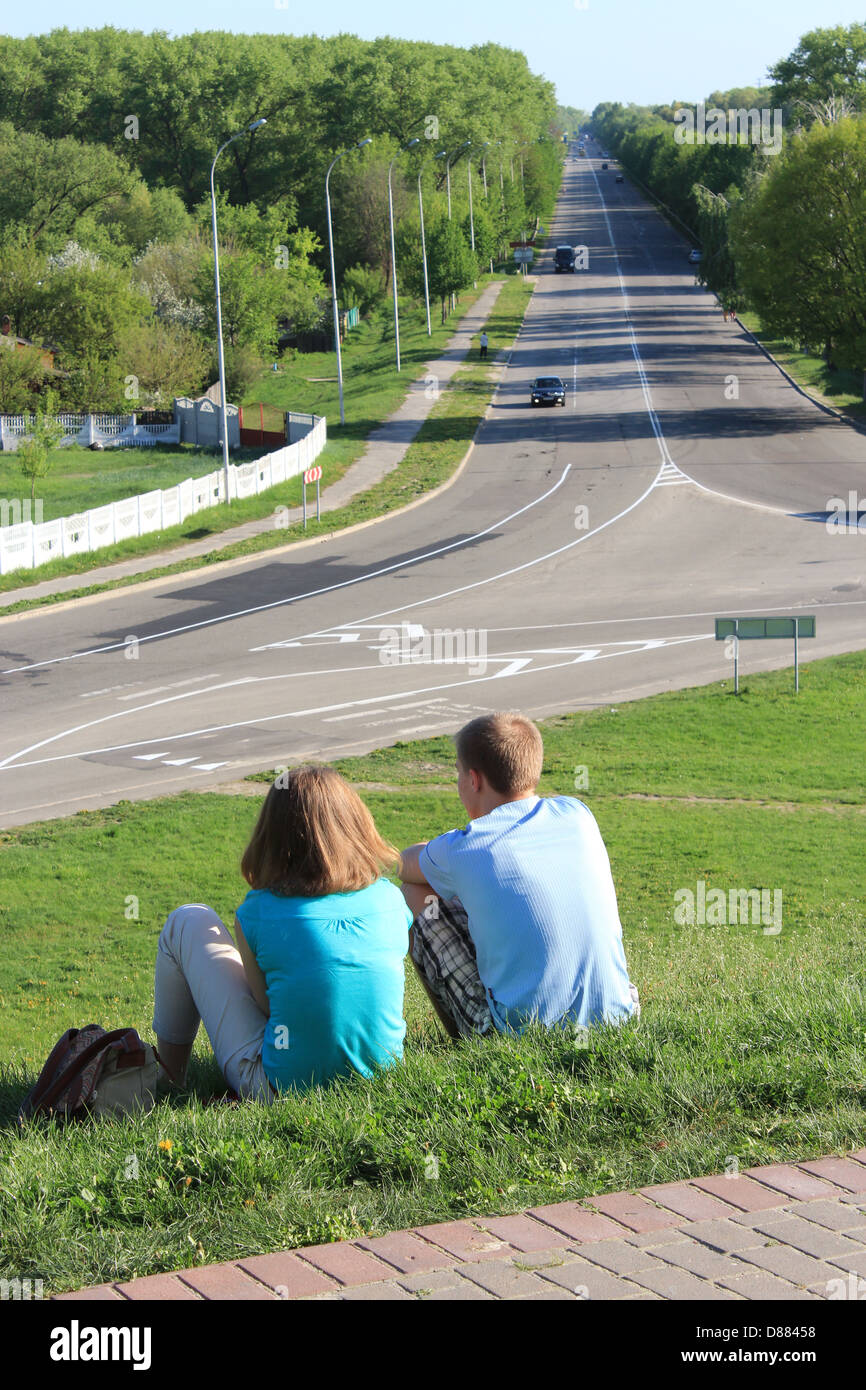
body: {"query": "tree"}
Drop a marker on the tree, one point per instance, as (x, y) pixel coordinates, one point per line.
(826, 63)
(21, 374)
(799, 241)
(450, 263)
(34, 451)
(163, 360)
(49, 184)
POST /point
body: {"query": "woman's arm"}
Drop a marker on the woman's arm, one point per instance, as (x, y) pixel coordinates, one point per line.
(255, 975)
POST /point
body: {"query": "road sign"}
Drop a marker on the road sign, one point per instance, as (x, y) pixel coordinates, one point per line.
(524, 255)
(761, 630)
(312, 475)
(520, 243)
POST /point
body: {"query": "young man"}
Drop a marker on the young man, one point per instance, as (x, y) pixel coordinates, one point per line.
(515, 916)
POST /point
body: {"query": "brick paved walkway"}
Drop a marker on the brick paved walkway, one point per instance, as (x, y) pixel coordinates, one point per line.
(786, 1231)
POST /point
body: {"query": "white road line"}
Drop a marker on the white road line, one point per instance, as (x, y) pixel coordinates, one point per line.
(296, 598)
(313, 710)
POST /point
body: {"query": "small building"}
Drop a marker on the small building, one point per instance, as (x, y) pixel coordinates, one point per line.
(11, 340)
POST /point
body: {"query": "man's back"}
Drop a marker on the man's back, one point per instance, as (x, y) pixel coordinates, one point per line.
(534, 877)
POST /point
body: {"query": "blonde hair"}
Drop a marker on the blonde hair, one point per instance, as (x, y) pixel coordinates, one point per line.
(315, 836)
(506, 748)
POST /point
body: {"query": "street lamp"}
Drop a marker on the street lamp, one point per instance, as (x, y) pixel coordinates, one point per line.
(424, 244)
(360, 145)
(394, 253)
(216, 270)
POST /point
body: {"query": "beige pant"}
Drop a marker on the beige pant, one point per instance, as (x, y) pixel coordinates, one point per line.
(200, 977)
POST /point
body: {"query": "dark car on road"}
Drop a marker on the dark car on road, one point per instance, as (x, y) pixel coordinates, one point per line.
(548, 390)
(619, 179)
(563, 258)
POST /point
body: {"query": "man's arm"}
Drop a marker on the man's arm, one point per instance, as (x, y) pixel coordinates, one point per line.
(410, 871)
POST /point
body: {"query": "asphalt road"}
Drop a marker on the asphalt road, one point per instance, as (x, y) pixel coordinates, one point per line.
(579, 560)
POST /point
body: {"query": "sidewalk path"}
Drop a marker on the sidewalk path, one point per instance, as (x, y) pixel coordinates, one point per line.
(784, 1231)
(386, 448)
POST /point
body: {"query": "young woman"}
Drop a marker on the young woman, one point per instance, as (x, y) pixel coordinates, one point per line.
(314, 989)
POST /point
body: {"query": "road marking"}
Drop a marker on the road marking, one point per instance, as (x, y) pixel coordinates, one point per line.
(296, 598)
(316, 710)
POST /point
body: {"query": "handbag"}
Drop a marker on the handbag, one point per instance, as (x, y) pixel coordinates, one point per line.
(91, 1072)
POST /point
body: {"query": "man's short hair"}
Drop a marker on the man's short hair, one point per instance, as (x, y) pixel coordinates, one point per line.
(506, 748)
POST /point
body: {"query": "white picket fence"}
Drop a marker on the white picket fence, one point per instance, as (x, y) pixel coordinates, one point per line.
(27, 545)
(112, 431)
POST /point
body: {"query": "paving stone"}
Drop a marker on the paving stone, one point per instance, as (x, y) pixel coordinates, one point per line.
(158, 1288)
(697, 1259)
(577, 1222)
(855, 1261)
(634, 1211)
(787, 1178)
(370, 1293)
(806, 1236)
(790, 1264)
(542, 1259)
(406, 1252)
(619, 1256)
(500, 1277)
(764, 1286)
(288, 1276)
(345, 1262)
(523, 1233)
(598, 1283)
(461, 1293)
(841, 1171)
(464, 1241)
(859, 1155)
(676, 1233)
(835, 1215)
(553, 1292)
(687, 1201)
(725, 1236)
(99, 1293)
(432, 1280)
(757, 1218)
(677, 1284)
(740, 1192)
(226, 1281)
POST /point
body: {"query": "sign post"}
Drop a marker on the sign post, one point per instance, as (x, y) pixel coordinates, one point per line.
(760, 630)
(312, 475)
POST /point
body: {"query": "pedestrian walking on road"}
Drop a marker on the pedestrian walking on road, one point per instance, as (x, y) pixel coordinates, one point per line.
(484, 341)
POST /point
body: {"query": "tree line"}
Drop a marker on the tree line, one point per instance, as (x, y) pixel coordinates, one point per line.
(106, 143)
(781, 223)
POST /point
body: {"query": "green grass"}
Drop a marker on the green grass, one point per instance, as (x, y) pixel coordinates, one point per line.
(841, 388)
(430, 459)
(80, 478)
(750, 1045)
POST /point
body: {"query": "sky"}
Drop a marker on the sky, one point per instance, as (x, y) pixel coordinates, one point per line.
(645, 51)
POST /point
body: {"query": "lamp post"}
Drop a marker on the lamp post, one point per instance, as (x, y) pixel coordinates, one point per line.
(360, 145)
(448, 163)
(216, 270)
(424, 245)
(394, 253)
